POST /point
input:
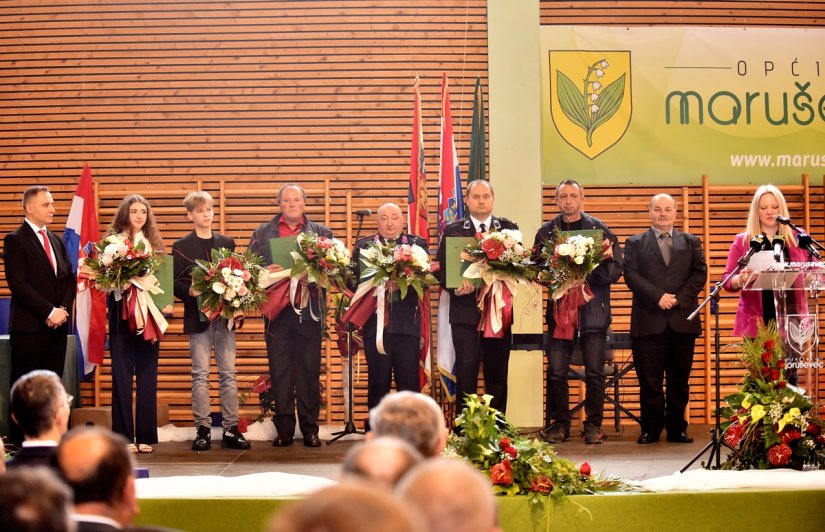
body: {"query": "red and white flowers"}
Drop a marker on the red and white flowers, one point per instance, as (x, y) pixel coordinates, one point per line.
(229, 285)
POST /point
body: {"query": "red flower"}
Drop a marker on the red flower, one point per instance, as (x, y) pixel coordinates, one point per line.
(766, 357)
(502, 473)
(813, 429)
(542, 484)
(781, 384)
(780, 363)
(504, 443)
(765, 371)
(262, 384)
(243, 424)
(790, 435)
(769, 344)
(492, 248)
(511, 451)
(585, 469)
(734, 434)
(774, 374)
(779, 455)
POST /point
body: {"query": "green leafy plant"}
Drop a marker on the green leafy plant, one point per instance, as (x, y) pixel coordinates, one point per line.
(592, 106)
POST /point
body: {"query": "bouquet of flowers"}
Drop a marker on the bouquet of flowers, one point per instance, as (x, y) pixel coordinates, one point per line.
(518, 465)
(116, 260)
(325, 260)
(501, 262)
(229, 285)
(568, 260)
(770, 424)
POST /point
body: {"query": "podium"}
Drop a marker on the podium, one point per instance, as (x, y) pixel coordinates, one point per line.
(796, 289)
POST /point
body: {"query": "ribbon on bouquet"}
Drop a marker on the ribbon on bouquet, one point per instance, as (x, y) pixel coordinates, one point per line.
(138, 308)
(566, 305)
(366, 301)
(495, 298)
(283, 290)
(214, 313)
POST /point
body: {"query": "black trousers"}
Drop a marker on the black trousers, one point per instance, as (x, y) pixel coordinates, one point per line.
(471, 350)
(293, 347)
(132, 356)
(401, 360)
(668, 355)
(557, 387)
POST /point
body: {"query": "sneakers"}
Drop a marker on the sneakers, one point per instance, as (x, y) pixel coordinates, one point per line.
(233, 439)
(203, 440)
(592, 434)
(556, 433)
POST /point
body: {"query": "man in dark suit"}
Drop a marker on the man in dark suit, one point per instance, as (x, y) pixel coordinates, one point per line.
(293, 341)
(203, 334)
(41, 408)
(42, 287)
(471, 347)
(402, 334)
(96, 465)
(665, 270)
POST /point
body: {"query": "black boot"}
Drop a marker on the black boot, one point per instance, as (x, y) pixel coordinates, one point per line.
(203, 441)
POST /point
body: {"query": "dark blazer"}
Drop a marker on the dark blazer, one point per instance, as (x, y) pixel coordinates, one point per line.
(464, 309)
(33, 456)
(35, 289)
(649, 279)
(405, 317)
(184, 254)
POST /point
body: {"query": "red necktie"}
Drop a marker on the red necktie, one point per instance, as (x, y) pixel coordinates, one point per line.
(48, 248)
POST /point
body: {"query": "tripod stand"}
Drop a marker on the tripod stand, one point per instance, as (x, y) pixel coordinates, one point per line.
(349, 425)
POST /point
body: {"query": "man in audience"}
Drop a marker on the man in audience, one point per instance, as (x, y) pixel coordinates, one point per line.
(413, 417)
(451, 495)
(32, 499)
(96, 464)
(384, 460)
(41, 407)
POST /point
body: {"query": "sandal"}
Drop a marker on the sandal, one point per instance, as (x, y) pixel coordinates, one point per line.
(131, 448)
(145, 449)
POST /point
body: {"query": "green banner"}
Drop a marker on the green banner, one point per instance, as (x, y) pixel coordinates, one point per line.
(650, 106)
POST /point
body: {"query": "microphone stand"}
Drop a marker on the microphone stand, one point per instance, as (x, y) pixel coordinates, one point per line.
(349, 425)
(716, 440)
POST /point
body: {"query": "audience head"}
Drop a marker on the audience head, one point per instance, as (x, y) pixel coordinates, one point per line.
(32, 499)
(413, 417)
(96, 464)
(384, 460)
(451, 495)
(768, 203)
(292, 202)
(40, 405)
(390, 221)
(134, 215)
(348, 507)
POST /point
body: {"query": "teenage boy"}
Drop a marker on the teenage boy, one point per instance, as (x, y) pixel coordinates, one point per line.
(205, 335)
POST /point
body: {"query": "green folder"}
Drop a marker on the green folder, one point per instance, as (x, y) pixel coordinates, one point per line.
(456, 267)
(166, 278)
(280, 249)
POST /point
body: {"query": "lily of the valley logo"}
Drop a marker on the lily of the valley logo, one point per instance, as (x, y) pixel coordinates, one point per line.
(802, 336)
(590, 98)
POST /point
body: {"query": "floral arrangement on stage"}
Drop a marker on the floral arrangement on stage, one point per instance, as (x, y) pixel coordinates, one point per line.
(325, 260)
(567, 261)
(501, 262)
(229, 285)
(770, 423)
(407, 266)
(116, 260)
(518, 465)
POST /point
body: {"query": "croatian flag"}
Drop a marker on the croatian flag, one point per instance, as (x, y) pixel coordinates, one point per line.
(450, 209)
(90, 304)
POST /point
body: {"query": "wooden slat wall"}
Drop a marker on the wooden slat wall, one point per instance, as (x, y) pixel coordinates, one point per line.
(238, 98)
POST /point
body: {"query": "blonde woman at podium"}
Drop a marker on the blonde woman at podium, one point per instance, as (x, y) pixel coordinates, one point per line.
(765, 231)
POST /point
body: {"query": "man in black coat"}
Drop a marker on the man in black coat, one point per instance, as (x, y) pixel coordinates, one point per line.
(594, 319)
(665, 269)
(402, 334)
(293, 341)
(471, 347)
(42, 286)
(203, 334)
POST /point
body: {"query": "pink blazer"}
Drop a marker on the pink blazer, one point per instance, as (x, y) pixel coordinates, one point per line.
(750, 302)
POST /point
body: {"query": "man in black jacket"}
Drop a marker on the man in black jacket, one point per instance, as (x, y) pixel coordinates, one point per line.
(203, 334)
(594, 319)
(665, 269)
(293, 341)
(471, 347)
(402, 334)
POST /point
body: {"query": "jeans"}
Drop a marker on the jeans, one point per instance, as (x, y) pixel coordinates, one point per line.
(200, 347)
(558, 390)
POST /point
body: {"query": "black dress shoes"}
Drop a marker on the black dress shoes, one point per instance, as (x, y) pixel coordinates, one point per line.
(647, 437)
(312, 440)
(681, 437)
(282, 440)
(233, 439)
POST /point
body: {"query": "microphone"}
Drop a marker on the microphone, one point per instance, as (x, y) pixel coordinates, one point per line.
(806, 242)
(756, 246)
(362, 213)
(778, 244)
(784, 221)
